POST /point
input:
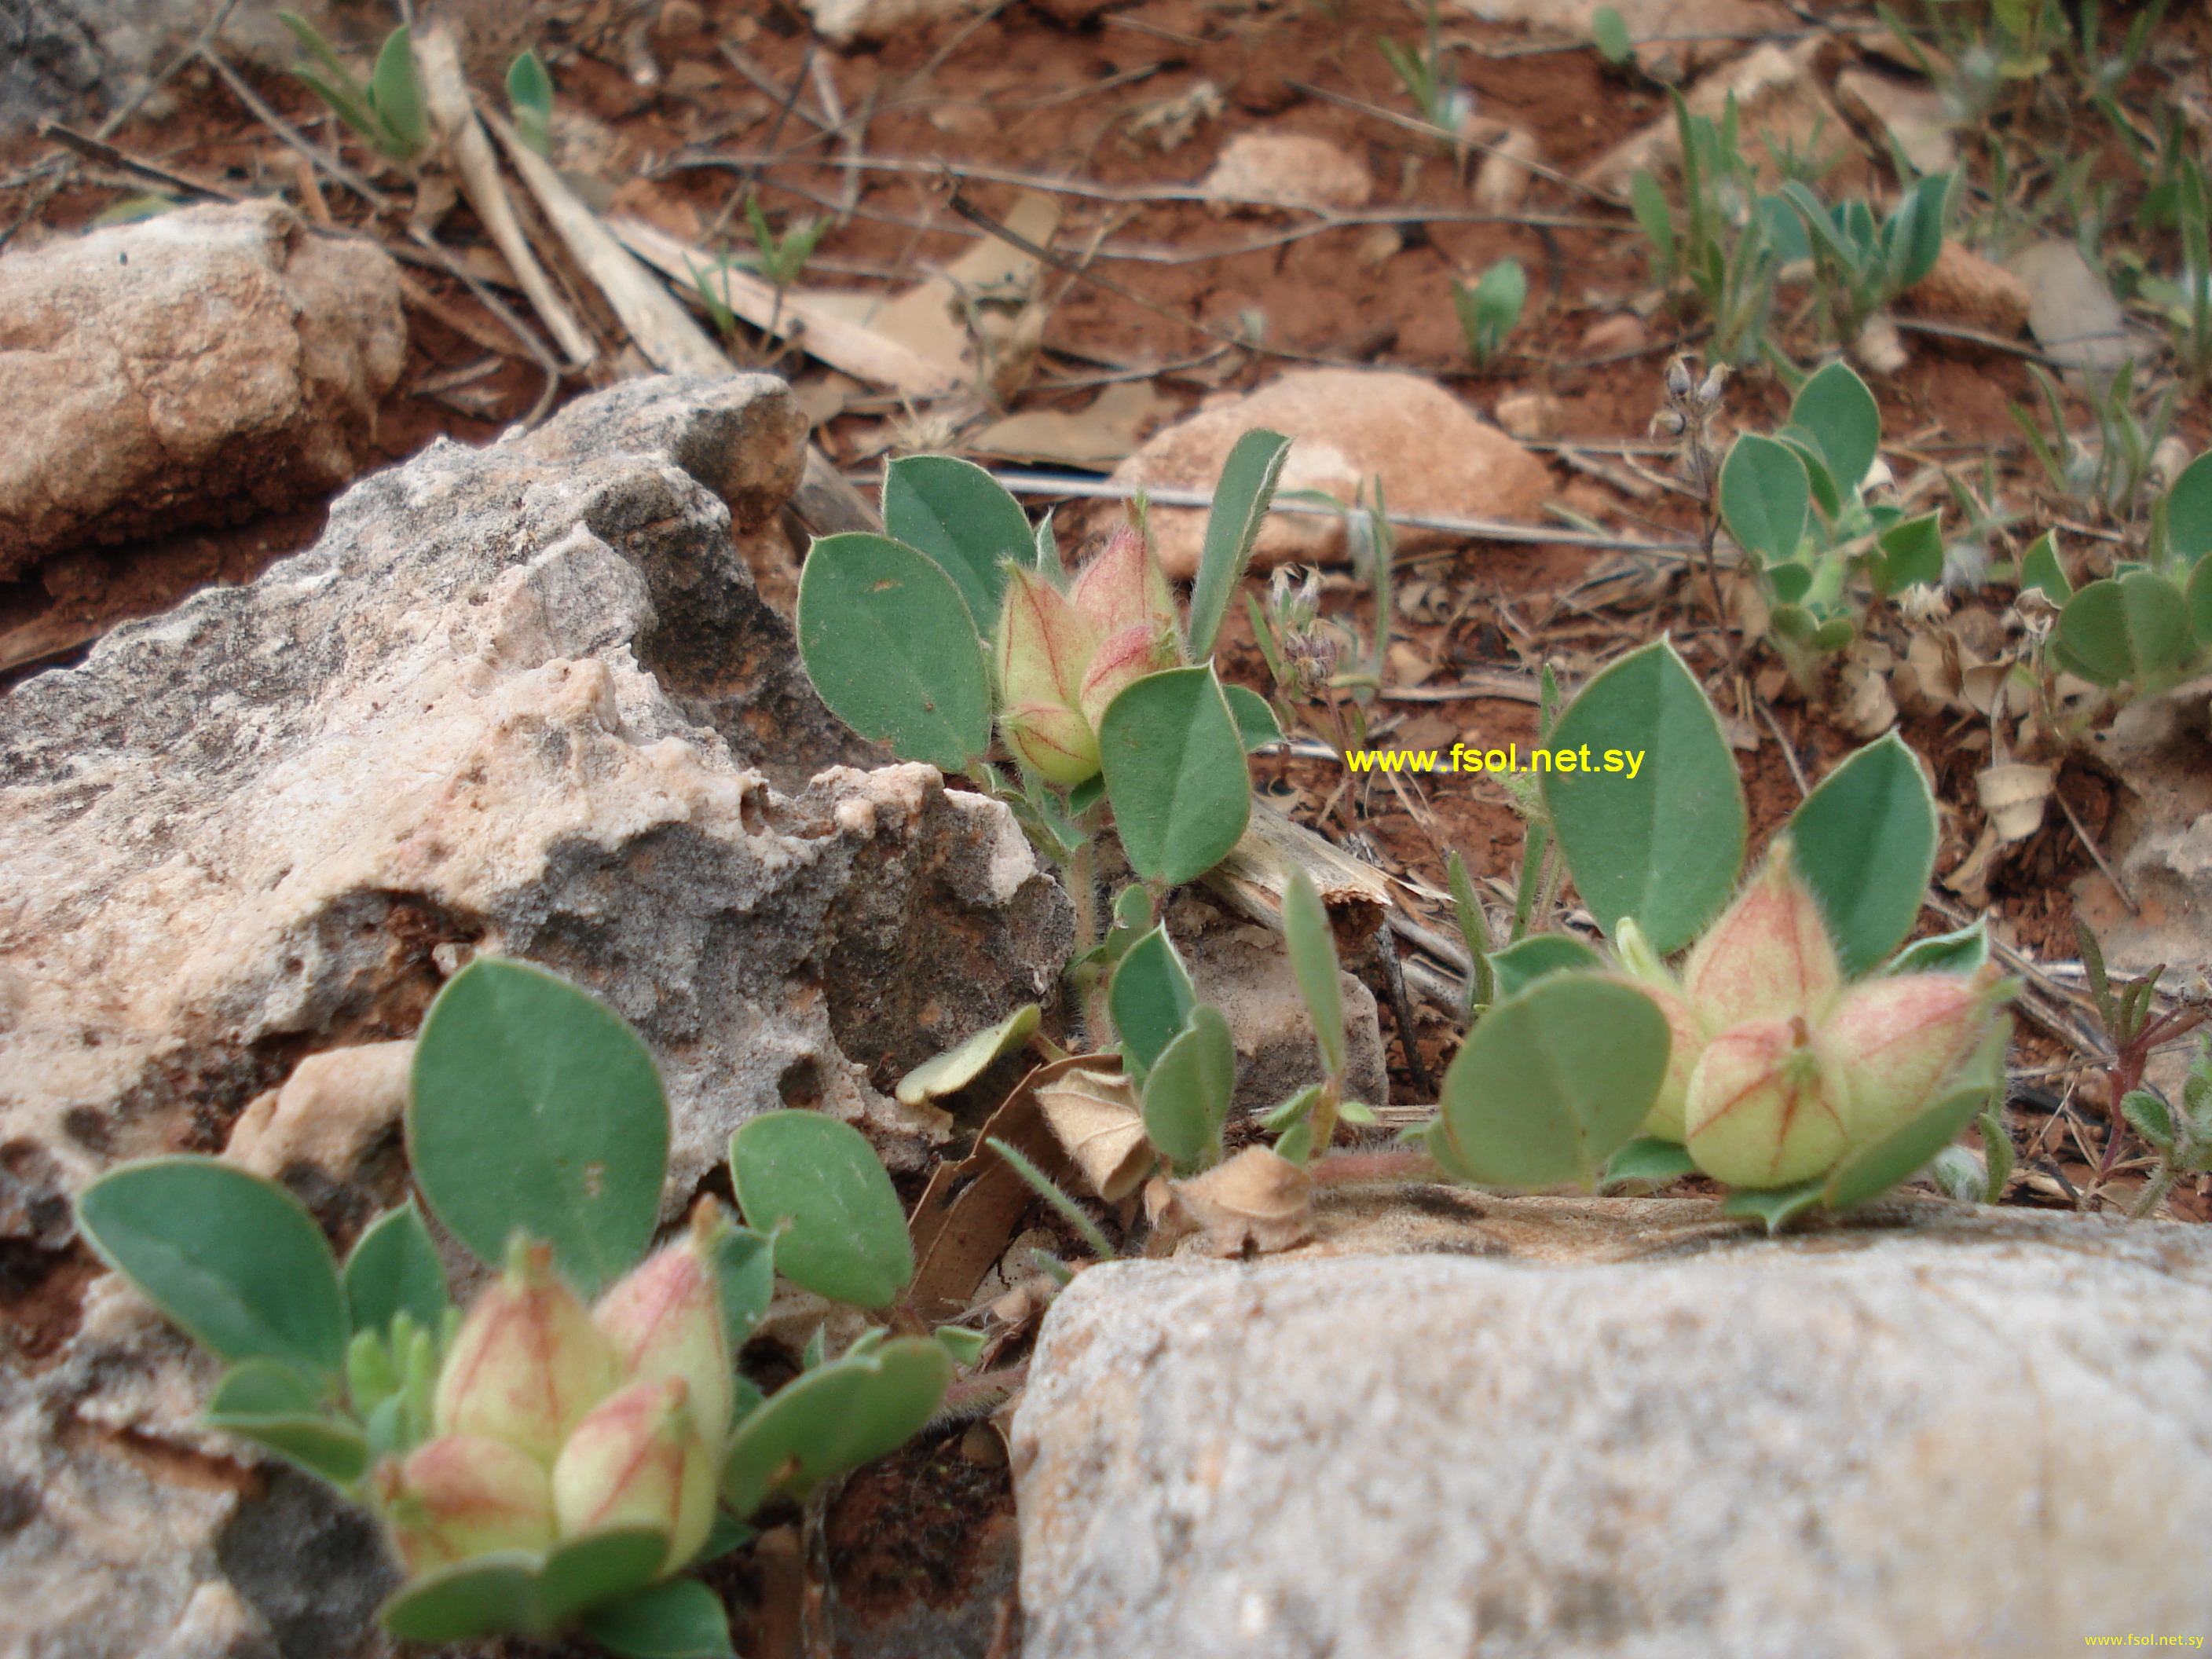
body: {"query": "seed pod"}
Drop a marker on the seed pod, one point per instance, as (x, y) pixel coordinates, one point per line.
(464, 1495)
(1901, 1041)
(638, 1460)
(527, 1363)
(1677, 378)
(1138, 650)
(664, 1319)
(1768, 957)
(1764, 1108)
(1125, 587)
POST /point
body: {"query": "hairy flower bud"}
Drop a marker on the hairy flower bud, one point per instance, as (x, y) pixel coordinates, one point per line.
(664, 1319)
(1044, 644)
(1764, 1106)
(1902, 1041)
(1686, 1047)
(1768, 957)
(464, 1495)
(1677, 378)
(1138, 650)
(639, 1461)
(1125, 587)
(527, 1363)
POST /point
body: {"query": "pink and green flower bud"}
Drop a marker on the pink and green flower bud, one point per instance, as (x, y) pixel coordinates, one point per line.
(1765, 1108)
(527, 1363)
(665, 1320)
(1044, 644)
(1138, 650)
(1902, 1042)
(464, 1495)
(1051, 739)
(1769, 955)
(1124, 587)
(639, 1461)
(1686, 1047)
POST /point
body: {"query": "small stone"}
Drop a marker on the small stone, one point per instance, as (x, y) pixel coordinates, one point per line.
(1503, 177)
(1878, 347)
(330, 1112)
(1913, 116)
(678, 18)
(1965, 289)
(1617, 335)
(1530, 415)
(1780, 107)
(2071, 311)
(1268, 169)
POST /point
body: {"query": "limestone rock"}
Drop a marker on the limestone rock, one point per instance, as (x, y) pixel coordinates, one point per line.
(1912, 115)
(846, 23)
(1671, 36)
(1350, 425)
(1965, 289)
(330, 1112)
(1286, 169)
(521, 700)
(1624, 1427)
(1781, 104)
(197, 367)
(2071, 311)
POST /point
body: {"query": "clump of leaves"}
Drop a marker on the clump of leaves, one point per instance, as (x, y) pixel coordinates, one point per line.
(1729, 241)
(1489, 311)
(2148, 625)
(387, 112)
(2109, 473)
(1861, 263)
(562, 1454)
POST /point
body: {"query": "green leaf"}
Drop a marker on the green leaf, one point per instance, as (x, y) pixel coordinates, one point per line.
(1826, 494)
(745, 1279)
(2152, 1118)
(1649, 1160)
(1997, 1157)
(1765, 496)
(817, 1186)
(1912, 552)
(1664, 846)
(1293, 1110)
(2200, 602)
(961, 517)
(516, 1592)
(1150, 998)
(1611, 36)
(960, 1065)
(1521, 964)
(1311, 943)
(335, 84)
(1653, 216)
(394, 1265)
(1837, 410)
(1175, 770)
(530, 99)
(536, 1108)
(1255, 721)
(1240, 506)
(891, 646)
(1188, 1092)
(1473, 932)
(1904, 1152)
(965, 1346)
(1946, 953)
(679, 1620)
(726, 1532)
(832, 1419)
(1778, 1207)
(232, 1260)
(276, 1407)
(1865, 843)
(1087, 793)
(2040, 568)
(397, 94)
(2135, 629)
(1536, 1097)
(2189, 508)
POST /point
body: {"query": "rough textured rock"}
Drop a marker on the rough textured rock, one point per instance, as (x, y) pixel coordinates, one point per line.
(1683, 1441)
(1781, 104)
(1964, 288)
(2161, 747)
(1671, 36)
(506, 703)
(1286, 169)
(1351, 425)
(197, 367)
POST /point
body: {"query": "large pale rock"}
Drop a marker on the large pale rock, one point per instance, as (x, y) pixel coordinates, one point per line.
(197, 367)
(1781, 109)
(1350, 426)
(1671, 36)
(1286, 169)
(506, 704)
(1626, 1428)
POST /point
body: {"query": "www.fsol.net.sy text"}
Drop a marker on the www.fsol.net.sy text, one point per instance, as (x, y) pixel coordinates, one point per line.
(1625, 762)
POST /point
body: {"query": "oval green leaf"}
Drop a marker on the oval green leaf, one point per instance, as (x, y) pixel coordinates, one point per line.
(960, 1065)
(1835, 407)
(1961, 952)
(2135, 629)
(1912, 552)
(394, 1265)
(745, 1277)
(1665, 846)
(230, 1259)
(833, 1419)
(1150, 998)
(891, 646)
(1255, 720)
(1904, 1152)
(1765, 497)
(959, 515)
(679, 1620)
(397, 94)
(1651, 1162)
(1521, 964)
(817, 1186)
(2189, 510)
(1175, 767)
(1187, 1093)
(1865, 843)
(2200, 602)
(1552, 1084)
(2040, 568)
(1311, 943)
(1240, 496)
(514, 1592)
(536, 1108)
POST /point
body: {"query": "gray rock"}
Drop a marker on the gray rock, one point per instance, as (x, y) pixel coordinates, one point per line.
(1633, 1429)
(197, 367)
(523, 699)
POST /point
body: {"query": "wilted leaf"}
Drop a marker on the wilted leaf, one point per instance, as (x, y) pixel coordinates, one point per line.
(1255, 1197)
(1098, 1118)
(2013, 795)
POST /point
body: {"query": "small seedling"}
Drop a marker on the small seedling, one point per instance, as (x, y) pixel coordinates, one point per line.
(387, 112)
(529, 101)
(2132, 1031)
(1860, 263)
(1491, 310)
(1427, 76)
(564, 1452)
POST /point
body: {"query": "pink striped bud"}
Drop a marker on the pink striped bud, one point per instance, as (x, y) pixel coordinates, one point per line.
(639, 1461)
(1904, 1041)
(1124, 587)
(664, 1319)
(1686, 1045)
(527, 1363)
(463, 1495)
(1768, 957)
(1140, 649)
(1764, 1108)
(1044, 644)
